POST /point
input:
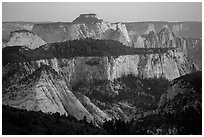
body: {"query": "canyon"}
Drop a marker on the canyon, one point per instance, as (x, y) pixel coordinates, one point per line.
(43, 71)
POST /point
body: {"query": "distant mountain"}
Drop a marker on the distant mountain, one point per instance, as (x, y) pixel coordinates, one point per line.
(87, 18)
(8, 27)
(182, 29)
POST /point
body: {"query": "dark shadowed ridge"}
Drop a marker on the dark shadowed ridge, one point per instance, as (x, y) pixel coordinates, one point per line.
(75, 48)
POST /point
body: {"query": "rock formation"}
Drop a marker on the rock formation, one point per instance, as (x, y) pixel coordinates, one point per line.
(44, 90)
(88, 18)
(8, 27)
(191, 47)
(25, 38)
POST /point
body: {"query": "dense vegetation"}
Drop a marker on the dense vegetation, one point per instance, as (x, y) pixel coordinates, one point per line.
(186, 107)
(21, 31)
(193, 79)
(186, 123)
(141, 93)
(22, 122)
(75, 48)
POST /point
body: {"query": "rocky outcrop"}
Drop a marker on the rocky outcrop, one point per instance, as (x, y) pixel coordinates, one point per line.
(44, 90)
(98, 115)
(25, 38)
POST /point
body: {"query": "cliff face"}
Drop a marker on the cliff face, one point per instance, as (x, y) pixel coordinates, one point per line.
(191, 47)
(70, 31)
(25, 38)
(169, 65)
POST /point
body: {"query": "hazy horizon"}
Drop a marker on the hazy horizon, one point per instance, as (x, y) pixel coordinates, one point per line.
(108, 11)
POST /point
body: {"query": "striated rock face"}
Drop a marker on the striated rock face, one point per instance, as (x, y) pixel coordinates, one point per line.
(44, 90)
(98, 115)
(25, 38)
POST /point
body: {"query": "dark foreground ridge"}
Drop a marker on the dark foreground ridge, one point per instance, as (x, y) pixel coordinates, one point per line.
(23, 122)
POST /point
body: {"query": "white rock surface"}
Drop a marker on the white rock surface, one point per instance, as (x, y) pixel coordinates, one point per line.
(27, 39)
(46, 91)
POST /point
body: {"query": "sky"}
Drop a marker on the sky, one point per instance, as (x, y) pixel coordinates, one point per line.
(111, 12)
